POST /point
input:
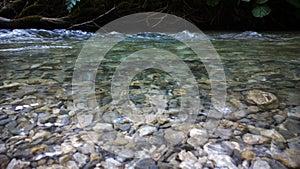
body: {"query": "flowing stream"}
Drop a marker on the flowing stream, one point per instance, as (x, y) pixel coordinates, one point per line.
(41, 124)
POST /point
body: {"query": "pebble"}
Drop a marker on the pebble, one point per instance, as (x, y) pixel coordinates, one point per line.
(273, 134)
(253, 109)
(15, 164)
(198, 137)
(81, 159)
(262, 99)
(84, 120)
(189, 160)
(146, 130)
(103, 127)
(248, 154)
(174, 137)
(294, 113)
(254, 139)
(222, 161)
(261, 164)
(110, 163)
(67, 147)
(293, 126)
(72, 165)
(2, 148)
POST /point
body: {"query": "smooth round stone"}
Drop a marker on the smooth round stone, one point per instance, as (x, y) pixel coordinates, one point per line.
(262, 99)
(261, 164)
(103, 127)
(146, 130)
(81, 159)
(248, 154)
(198, 137)
(253, 109)
(254, 139)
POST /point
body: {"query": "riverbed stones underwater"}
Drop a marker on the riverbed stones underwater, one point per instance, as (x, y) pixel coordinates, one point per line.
(50, 133)
(41, 129)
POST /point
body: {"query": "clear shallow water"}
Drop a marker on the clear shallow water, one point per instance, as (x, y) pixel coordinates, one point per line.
(251, 60)
(36, 69)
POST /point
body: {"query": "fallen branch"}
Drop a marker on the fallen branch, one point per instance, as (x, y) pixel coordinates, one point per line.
(54, 20)
(93, 20)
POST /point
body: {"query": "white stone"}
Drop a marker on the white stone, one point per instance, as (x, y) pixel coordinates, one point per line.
(146, 130)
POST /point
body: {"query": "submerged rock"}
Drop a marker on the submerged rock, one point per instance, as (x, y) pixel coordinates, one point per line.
(15, 164)
(146, 130)
(198, 137)
(4, 160)
(288, 157)
(262, 99)
(261, 164)
(254, 139)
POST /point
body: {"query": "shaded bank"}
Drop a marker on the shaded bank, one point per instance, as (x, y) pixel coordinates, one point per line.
(207, 14)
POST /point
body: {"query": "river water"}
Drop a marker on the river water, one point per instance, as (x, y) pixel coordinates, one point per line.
(41, 124)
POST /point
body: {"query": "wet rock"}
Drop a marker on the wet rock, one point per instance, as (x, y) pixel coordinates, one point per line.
(8, 86)
(276, 165)
(294, 145)
(189, 160)
(145, 163)
(163, 165)
(294, 113)
(288, 157)
(87, 148)
(253, 109)
(120, 140)
(222, 161)
(4, 121)
(72, 165)
(21, 153)
(44, 118)
(2, 148)
(111, 163)
(223, 133)
(67, 148)
(174, 137)
(124, 127)
(217, 148)
(261, 164)
(198, 137)
(103, 127)
(4, 160)
(293, 126)
(146, 130)
(262, 99)
(62, 120)
(248, 154)
(237, 115)
(41, 134)
(254, 139)
(16, 164)
(273, 134)
(81, 159)
(278, 118)
(84, 120)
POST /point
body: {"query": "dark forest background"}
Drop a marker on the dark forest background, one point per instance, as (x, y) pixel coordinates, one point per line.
(206, 14)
